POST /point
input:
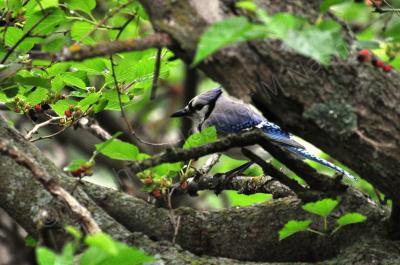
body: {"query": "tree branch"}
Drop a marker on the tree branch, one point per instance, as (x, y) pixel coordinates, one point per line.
(80, 53)
(52, 186)
(243, 184)
(245, 233)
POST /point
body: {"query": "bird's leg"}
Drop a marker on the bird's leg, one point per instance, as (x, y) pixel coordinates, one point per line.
(222, 179)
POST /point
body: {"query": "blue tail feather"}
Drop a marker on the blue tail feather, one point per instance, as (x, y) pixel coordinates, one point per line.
(304, 153)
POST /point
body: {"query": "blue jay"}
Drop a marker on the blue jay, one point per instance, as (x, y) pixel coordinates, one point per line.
(228, 115)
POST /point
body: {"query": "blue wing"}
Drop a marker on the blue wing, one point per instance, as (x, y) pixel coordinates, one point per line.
(232, 117)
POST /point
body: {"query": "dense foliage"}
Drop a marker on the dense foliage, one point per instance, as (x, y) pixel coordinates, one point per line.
(63, 93)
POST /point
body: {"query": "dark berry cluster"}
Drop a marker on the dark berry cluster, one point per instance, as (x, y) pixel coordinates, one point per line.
(366, 55)
(22, 106)
(71, 114)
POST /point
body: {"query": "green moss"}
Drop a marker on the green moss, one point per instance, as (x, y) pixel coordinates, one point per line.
(337, 118)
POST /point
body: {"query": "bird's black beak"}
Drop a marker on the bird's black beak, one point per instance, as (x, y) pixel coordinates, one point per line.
(180, 113)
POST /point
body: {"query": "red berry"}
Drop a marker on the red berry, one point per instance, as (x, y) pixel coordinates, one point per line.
(364, 55)
(148, 181)
(17, 110)
(364, 52)
(38, 107)
(68, 113)
(387, 68)
(184, 185)
(76, 173)
(380, 64)
(156, 193)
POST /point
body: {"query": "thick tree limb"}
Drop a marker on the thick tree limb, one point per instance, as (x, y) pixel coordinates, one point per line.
(51, 185)
(248, 233)
(80, 53)
(27, 202)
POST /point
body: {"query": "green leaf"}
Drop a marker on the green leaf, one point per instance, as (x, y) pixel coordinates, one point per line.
(393, 31)
(80, 30)
(351, 218)
(37, 96)
(280, 24)
(328, 3)
(248, 5)
(113, 102)
(48, 25)
(57, 84)
(30, 241)
(207, 135)
(117, 149)
(45, 256)
(67, 255)
(167, 169)
(74, 165)
(71, 80)
(292, 227)
(33, 81)
(86, 6)
(103, 250)
(103, 242)
(62, 105)
(322, 208)
(58, 68)
(93, 256)
(72, 230)
(89, 100)
(99, 106)
(317, 44)
(223, 33)
(237, 199)
(49, 3)
(13, 34)
(94, 66)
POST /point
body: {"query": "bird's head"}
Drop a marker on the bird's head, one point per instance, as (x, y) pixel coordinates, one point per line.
(200, 107)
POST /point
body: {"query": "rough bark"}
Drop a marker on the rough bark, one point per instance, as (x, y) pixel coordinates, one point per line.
(349, 110)
(243, 233)
(44, 217)
(249, 233)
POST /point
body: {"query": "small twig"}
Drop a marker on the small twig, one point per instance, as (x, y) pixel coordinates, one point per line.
(386, 10)
(94, 128)
(104, 20)
(50, 135)
(156, 75)
(208, 165)
(175, 220)
(51, 185)
(345, 27)
(80, 53)
(26, 34)
(176, 228)
(34, 130)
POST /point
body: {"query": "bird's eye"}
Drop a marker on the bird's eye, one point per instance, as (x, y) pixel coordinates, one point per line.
(198, 107)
